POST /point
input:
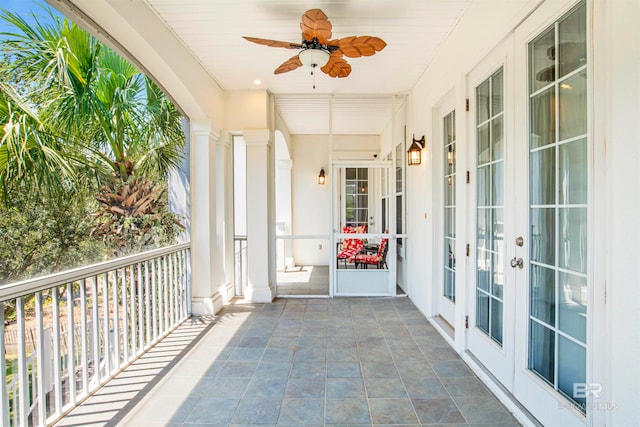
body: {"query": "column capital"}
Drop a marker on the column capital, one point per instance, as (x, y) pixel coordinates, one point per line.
(285, 164)
(257, 136)
(224, 140)
(203, 128)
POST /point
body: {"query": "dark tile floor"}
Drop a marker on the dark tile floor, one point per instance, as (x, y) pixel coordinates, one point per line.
(304, 362)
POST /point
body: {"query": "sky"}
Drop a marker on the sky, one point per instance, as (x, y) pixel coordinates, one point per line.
(26, 8)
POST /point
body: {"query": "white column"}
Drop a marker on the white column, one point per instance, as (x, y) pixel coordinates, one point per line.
(283, 212)
(206, 265)
(224, 217)
(260, 229)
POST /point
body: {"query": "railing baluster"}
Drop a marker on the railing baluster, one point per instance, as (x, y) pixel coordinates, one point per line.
(95, 327)
(132, 310)
(140, 309)
(40, 369)
(165, 288)
(4, 395)
(172, 281)
(187, 264)
(125, 317)
(147, 307)
(106, 351)
(71, 347)
(23, 376)
(116, 322)
(83, 336)
(150, 294)
(57, 379)
(154, 299)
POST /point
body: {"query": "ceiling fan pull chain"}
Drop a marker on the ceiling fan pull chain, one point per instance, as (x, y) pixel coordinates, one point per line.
(313, 68)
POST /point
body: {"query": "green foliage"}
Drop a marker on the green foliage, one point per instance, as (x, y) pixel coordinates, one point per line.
(76, 117)
(40, 236)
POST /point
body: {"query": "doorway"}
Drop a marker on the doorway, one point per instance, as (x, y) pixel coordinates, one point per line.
(363, 243)
(530, 208)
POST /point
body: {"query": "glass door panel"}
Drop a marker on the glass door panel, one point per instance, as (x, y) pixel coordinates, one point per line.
(558, 205)
(489, 206)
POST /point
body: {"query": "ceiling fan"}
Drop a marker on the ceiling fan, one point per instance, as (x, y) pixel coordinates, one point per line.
(317, 50)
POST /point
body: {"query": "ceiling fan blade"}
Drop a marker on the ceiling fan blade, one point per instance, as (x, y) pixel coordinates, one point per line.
(337, 66)
(315, 24)
(273, 43)
(288, 65)
(355, 47)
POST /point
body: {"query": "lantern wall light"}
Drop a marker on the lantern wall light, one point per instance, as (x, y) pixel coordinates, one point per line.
(415, 151)
(321, 177)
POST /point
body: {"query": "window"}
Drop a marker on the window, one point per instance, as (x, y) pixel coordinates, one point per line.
(490, 205)
(449, 138)
(356, 197)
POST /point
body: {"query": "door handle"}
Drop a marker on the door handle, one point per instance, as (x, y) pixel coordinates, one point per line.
(517, 262)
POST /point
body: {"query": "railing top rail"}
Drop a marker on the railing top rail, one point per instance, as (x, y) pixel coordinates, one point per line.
(25, 287)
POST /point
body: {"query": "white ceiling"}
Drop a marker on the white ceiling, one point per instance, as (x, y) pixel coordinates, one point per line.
(362, 102)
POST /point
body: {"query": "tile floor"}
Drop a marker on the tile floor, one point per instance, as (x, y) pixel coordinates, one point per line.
(299, 362)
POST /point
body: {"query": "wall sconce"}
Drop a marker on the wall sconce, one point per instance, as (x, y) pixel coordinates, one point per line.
(415, 151)
(450, 156)
(321, 177)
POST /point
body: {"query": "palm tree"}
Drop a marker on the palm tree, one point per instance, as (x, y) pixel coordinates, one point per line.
(97, 116)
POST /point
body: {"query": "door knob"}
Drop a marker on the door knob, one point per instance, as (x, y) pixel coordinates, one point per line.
(517, 262)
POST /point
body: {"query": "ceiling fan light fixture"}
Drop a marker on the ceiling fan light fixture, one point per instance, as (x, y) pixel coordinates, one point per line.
(314, 57)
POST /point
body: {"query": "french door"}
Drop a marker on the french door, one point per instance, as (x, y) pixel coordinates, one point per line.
(531, 203)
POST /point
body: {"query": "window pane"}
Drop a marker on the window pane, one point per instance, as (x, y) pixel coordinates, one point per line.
(496, 320)
(543, 235)
(449, 222)
(573, 306)
(541, 60)
(573, 106)
(497, 262)
(541, 351)
(497, 232)
(497, 139)
(482, 311)
(543, 294)
(484, 228)
(572, 362)
(451, 254)
(497, 193)
(573, 239)
(543, 177)
(484, 154)
(350, 173)
(572, 49)
(497, 101)
(573, 172)
(482, 102)
(543, 119)
(484, 181)
(484, 269)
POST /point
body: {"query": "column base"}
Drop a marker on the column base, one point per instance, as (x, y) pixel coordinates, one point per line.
(261, 294)
(206, 306)
(289, 262)
(227, 292)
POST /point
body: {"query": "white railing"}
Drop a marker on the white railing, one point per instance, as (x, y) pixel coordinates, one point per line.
(89, 324)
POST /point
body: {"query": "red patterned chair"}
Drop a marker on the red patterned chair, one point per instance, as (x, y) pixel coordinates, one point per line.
(379, 259)
(350, 247)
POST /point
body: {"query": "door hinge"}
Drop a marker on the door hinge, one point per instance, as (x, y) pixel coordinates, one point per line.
(466, 322)
(466, 104)
(468, 250)
(468, 177)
